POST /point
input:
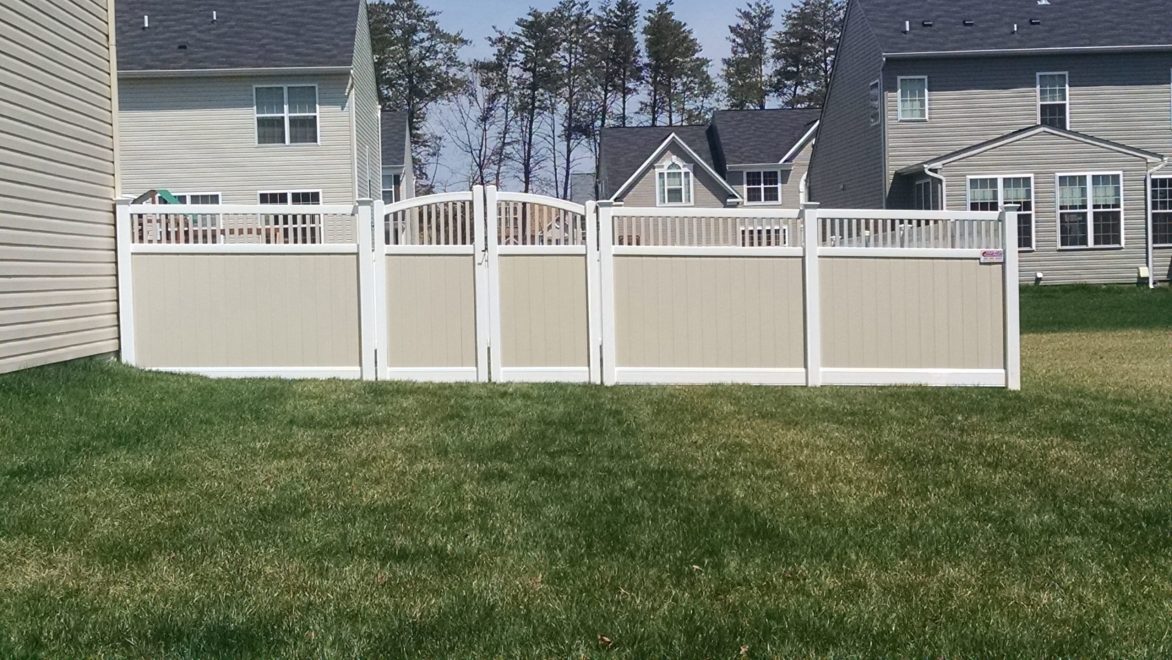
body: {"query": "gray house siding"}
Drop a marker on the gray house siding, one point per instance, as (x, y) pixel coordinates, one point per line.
(1123, 98)
(58, 292)
(1045, 156)
(791, 180)
(367, 123)
(198, 135)
(847, 170)
(1162, 260)
(707, 192)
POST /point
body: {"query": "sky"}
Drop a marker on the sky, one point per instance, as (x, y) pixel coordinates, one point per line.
(476, 19)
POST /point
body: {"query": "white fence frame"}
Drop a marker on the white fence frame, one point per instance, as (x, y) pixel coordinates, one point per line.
(599, 251)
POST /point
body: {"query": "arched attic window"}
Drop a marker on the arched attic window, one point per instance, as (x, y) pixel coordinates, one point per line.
(673, 184)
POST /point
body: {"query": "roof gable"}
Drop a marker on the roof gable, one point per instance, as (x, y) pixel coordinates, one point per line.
(180, 35)
(698, 161)
(939, 26)
(623, 150)
(755, 137)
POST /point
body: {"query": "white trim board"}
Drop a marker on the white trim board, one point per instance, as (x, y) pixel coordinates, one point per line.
(701, 376)
(927, 377)
(545, 375)
(430, 374)
(342, 373)
(242, 248)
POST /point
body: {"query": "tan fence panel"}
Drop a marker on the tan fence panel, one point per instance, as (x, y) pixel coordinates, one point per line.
(431, 312)
(917, 313)
(680, 312)
(543, 311)
(230, 312)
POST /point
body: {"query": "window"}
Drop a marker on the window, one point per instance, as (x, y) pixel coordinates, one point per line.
(673, 183)
(1090, 210)
(286, 115)
(926, 195)
(992, 193)
(198, 198)
(763, 187)
(291, 228)
(913, 99)
(875, 99)
(764, 237)
(1053, 100)
(391, 187)
(1162, 211)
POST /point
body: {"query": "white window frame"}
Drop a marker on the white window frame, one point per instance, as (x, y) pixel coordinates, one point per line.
(688, 192)
(290, 193)
(1000, 178)
(875, 106)
(932, 197)
(1165, 177)
(1038, 93)
(287, 115)
(189, 195)
(745, 187)
(899, 100)
(398, 195)
(1090, 212)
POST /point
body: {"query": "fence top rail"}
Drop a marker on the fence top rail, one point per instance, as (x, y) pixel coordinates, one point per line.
(692, 212)
(541, 200)
(243, 209)
(428, 200)
(875, 214)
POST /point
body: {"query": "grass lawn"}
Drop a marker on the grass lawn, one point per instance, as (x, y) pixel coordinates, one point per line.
(147, 514)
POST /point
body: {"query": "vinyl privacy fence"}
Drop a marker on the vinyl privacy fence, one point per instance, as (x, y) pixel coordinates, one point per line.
(492, 286)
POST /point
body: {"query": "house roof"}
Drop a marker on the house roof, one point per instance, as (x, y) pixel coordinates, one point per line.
(752, 137)
(623, 150)
(394, 129)
(1041, 25)
(1021, 134)
(180, 35)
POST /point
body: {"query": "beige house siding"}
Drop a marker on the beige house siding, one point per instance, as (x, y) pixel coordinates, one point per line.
(791, 181)
(367, 120)
(431, 311)
(911, 314)
(847, 170)
(297, 310)
(543, 311)
(198, 134)
(709, 312)
(707, 190)
(1044, 156)
(57, 182)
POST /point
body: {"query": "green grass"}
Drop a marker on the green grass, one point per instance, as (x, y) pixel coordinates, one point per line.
(150, 515)
(1072, 308)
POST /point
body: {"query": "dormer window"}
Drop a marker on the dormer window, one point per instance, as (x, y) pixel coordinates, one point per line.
(1054, 100)
(673, 184)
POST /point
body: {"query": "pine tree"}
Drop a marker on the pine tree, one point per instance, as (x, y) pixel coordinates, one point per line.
(533, 85)
(619, 58)
(418, 64)
(804, 52)
(574, 32)
(746, 78)
(679, 85)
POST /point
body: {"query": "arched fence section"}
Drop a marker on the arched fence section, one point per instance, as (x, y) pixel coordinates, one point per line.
(488, 286)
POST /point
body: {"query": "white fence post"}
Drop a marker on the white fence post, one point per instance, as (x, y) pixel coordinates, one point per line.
(812, 293)
(381, 320)
(367, 305)
(484, 211)
(607, 290)
(593, 303)
(124, 233)
(1012, 298)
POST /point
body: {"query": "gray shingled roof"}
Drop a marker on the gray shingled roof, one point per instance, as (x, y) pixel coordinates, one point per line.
(623, 150)
(394, 125)
(750, 137)
(1060, 24)
(247, 34)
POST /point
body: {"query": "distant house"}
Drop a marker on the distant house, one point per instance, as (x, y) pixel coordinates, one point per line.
(398, 173)
(1062, 107)
(267, 101)
(748, 157)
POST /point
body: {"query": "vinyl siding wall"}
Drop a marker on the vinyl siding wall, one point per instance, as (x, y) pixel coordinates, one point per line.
(199, 135)
(57, 183)
(847, 170)
(791, 181)
(1045, 156)
(707, 192)
(367, 120)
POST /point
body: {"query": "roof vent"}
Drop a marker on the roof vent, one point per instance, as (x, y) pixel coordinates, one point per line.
(1035, 21)
(146, 22)
(182, 46)
(928, 23)
(1043, 3)
(214, 16)
(968, 22)
(907, 27)
(1015, 28)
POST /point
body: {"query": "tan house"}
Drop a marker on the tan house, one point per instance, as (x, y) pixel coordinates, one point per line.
(58, 287)
(742, 157)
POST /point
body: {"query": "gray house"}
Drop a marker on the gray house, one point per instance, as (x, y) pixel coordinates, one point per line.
(742, 157)
(398, 180)
(1060, 106)
(220, 102)
(58, 291)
